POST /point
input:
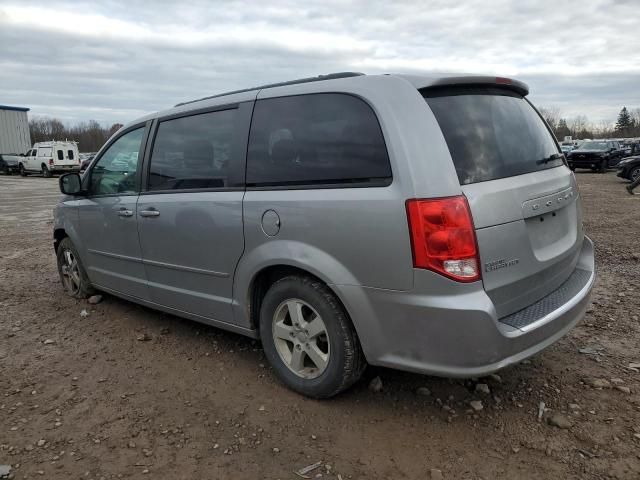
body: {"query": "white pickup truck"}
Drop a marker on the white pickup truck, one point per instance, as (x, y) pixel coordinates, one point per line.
(48, 158)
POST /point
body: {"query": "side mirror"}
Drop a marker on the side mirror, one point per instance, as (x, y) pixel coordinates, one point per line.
(71, 184)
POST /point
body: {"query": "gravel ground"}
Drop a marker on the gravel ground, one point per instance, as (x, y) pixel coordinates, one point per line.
(127, 392)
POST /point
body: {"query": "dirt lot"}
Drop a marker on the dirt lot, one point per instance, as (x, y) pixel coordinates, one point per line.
(85, 398)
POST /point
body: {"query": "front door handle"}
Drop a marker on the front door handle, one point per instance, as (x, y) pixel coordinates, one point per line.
(152, 212)
(124, 212)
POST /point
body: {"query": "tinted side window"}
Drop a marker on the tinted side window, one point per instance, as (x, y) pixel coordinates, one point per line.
(70, 154)
(325, 138)
(193, 152)
(60, 155)
(116, 169)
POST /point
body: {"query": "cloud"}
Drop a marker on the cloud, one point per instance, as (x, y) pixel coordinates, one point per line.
(117, 60)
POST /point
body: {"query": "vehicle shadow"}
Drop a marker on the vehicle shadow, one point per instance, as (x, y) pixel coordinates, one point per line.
(514, 388)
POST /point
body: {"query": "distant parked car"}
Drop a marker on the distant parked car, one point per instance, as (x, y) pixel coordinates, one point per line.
(632, 150)
(598, 155)
(48, 158)
(9, 163)
(629, 168)
(566, 148)
(86, 161)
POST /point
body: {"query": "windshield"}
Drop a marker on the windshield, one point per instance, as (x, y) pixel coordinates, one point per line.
(492, 133)
(594, 146)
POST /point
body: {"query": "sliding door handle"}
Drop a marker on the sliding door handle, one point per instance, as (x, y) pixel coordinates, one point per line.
(151, 212)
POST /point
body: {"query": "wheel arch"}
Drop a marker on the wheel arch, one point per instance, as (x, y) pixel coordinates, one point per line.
(58, 235)
(271, 260)
(267, 276)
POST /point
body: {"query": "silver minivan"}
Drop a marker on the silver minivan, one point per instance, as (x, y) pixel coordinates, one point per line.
(424, 223)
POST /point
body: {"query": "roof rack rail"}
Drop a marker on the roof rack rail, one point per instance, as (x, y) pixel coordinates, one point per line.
(330, 76)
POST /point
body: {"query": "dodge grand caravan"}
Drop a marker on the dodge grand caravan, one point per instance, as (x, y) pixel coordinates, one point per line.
(428, 224)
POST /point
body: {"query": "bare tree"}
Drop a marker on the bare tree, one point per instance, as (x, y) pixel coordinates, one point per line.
(551, 115)
(89, 135)
(635, 117)
(579, 127)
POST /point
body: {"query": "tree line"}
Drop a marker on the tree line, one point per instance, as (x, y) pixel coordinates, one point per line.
(579, 127)
(89, 135)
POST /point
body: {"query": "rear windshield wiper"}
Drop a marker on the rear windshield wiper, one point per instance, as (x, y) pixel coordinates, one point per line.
(550, 158)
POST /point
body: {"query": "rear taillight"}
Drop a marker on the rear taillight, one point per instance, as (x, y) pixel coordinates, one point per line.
(443, 238)
(51, 161)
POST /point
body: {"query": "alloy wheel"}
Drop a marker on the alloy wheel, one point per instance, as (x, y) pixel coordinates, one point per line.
(301, 338)
(70, 272)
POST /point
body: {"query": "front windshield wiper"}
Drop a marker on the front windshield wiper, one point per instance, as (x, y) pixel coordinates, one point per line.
(550, 158)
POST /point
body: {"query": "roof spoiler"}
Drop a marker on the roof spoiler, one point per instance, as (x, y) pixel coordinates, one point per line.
(502, 82)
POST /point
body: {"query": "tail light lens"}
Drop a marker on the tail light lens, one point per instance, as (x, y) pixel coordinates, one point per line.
(443, 238)
(51, 161)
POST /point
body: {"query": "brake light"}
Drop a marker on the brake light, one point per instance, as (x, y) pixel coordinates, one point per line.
(443, 238)
(51, 161)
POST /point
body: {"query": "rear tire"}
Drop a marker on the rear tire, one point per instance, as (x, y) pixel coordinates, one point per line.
(308, 338)
(46, 173)
(634, 174)
(23, 172)
(73, 276)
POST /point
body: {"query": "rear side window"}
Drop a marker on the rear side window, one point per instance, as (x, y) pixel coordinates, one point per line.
(70, 154)
(45, 152)
(324, 138)
(60, 155)
(193, 152)
(491, 133)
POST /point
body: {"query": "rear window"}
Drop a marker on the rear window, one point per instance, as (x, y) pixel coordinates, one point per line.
(316, 139)
(491, 133)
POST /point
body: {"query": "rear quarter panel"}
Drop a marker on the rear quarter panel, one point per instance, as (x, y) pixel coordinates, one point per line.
(352, 236)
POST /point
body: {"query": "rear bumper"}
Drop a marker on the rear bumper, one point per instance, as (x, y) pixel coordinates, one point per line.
(460, 335)
(64, 169)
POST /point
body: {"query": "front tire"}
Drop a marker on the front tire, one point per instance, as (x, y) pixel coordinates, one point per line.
(73, 276)
(308, 338)
(634, 174)
(23, 172)
(603, 166)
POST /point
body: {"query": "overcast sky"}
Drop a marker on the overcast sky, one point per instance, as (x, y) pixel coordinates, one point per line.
(113, 61)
